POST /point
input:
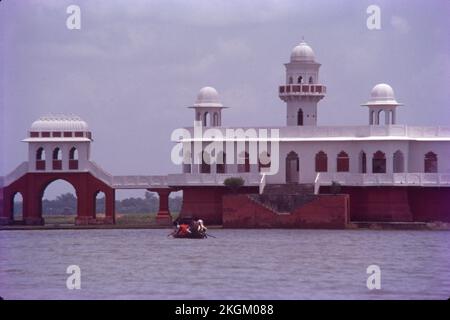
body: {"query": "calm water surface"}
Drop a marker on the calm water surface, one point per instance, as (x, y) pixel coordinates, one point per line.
(238, 264)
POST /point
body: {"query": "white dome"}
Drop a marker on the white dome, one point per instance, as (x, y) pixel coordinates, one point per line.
(207, 97)
(382, 91)
(302, 53)
(59, 123)
(382, 94)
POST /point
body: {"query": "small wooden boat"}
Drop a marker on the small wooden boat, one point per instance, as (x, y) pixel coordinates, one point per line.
(193, 235)
(188, 229)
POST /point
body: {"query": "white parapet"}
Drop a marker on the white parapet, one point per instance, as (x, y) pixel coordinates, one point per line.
(385, 179)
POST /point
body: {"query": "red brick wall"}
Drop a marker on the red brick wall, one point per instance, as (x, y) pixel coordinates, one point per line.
(429, 204)
(206, 202)
(397, 204)
(326, 212)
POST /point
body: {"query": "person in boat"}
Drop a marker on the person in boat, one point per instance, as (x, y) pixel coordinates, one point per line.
(183, 230)
(201, 227)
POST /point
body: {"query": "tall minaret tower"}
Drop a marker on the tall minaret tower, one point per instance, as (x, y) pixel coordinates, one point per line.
(302, 90)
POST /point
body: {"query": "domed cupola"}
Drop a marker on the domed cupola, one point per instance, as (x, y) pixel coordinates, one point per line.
(382, 99)
(58, 143)
(302, 53)
(207, 107)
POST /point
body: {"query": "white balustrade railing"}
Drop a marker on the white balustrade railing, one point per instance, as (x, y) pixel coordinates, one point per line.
(379, 179)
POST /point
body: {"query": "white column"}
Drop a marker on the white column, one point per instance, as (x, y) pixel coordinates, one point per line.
(389, 163)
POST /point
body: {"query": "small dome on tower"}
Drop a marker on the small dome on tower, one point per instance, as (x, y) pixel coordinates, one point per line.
(208, 97)
(302, 53)
(382, 94)
(59, 123)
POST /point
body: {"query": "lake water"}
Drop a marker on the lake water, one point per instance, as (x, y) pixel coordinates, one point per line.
(238, 264)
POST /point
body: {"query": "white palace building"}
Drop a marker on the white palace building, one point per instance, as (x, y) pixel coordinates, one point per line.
(388, 171)
(380, 152)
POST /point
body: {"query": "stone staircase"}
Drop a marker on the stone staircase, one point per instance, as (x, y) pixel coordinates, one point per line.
(285, 198)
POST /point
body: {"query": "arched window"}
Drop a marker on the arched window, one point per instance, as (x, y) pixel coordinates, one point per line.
(73, 154)
(73, 159)
(310, 80)
(216, 119)
(221, 162)
(321, 162)
(431, 162)
(379, 162)
(292, 167)
(300, 117)
(362, 162)
(343, 162)
(371, 116)
(291, 81)
(244, 167)
(17, 206)
(100, 203)
(379, 117)
(40, 159)
(300, 79)
(57, 159)
(398, 162)
(206, 163)
(264, 160)
(205, 119)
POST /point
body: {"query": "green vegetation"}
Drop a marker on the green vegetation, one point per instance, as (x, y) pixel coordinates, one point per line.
(335, 187)
(234, 183)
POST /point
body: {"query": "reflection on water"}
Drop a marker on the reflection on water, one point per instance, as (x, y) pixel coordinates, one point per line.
(238, 264)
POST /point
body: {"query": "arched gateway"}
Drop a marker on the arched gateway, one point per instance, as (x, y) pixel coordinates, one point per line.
(68, 140)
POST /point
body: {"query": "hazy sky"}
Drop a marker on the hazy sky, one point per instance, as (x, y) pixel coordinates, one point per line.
(134, 66)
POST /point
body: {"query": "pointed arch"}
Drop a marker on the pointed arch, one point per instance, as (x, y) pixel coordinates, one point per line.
(300, 79)
(205, 119)
(292, 167)
(398, 162)
(73, 159)
(431, 162)
(321, 162)
(57, 159)
(343, 162)
(216, 119)
(379, 162)
(40, 159)
(300, 117)
(362, 162)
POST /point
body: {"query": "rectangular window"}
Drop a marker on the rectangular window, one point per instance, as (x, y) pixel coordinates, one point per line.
(67, 134)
